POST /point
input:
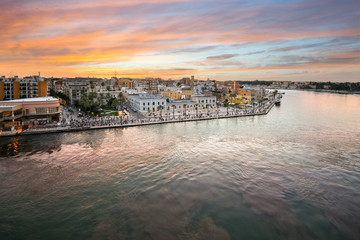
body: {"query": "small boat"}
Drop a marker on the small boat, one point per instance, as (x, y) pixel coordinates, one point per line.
(277, 102)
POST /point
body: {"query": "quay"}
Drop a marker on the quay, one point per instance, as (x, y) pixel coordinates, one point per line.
(88, 128)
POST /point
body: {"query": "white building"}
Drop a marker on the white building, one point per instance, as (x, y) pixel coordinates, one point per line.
(203, 100)
(199, 103)
(146, 103)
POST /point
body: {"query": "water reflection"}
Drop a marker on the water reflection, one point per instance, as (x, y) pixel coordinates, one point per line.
(10, 148)
(292, 174)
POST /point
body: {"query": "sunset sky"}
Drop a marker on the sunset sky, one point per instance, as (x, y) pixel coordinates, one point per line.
(218, 39)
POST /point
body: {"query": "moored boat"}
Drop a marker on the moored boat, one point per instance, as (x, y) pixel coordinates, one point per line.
(277, 102)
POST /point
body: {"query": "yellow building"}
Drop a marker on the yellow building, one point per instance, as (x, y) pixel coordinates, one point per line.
(126, 83)
(187, 93)
(9, 90)
(241, 97)
(1, 91)
(172, 95)
(16, 89)
(42, 89)
(177, 95)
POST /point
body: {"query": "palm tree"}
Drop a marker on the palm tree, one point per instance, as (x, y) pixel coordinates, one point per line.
(236, 107)
(274, 93)
(160, 108)
(121, 97)
(185, 110)
(207, 108)
(173, 106)
(217, 108)
(226, 104)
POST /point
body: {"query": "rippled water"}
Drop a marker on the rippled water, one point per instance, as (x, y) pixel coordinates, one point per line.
(292, 174)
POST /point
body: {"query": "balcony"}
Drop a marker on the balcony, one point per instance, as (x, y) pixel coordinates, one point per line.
(12, 117)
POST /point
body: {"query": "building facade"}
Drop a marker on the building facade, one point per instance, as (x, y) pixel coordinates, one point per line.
(75, 90)
(27, 87)
(147, 103)
(23, 112)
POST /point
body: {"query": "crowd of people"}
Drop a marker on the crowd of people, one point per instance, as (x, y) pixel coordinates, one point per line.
(71, 118)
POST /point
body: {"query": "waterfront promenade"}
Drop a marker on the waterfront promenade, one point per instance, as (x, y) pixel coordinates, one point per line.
(144, 122)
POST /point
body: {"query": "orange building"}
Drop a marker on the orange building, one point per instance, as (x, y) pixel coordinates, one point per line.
(172, 95)
(243, 93)
(42, 89)
(16, 89)
(126, 83)
(1, 90)
(177, 95)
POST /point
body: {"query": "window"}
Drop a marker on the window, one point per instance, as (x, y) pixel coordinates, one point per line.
(153, 103)
(144, 105)
(40, 110)
(144, 108)
(53, 109)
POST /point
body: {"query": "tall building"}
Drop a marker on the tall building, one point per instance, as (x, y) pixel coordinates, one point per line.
(9, 88)
(76, 89)
(27, 87)
(149, 85)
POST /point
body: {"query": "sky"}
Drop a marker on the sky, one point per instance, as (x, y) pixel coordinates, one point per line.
(283, 40)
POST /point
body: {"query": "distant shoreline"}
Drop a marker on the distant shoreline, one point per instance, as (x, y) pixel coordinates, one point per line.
(324, 91)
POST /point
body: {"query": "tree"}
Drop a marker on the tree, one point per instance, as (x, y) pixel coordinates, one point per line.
(88, 105)
(236, 107)
(100, 101)
(196, 108)
(173, 106)
(226, 104)
(160, 108)
(207, 108)
(121, 98)
(217, 107)
(92, 95)
(113, 102)
(274, 93)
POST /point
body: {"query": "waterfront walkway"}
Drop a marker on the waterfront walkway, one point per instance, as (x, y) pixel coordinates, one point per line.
(32, 131)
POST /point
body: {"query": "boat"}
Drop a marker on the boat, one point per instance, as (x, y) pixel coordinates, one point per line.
(277, 102)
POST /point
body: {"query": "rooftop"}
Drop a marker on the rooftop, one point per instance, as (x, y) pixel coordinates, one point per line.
(39, 99)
